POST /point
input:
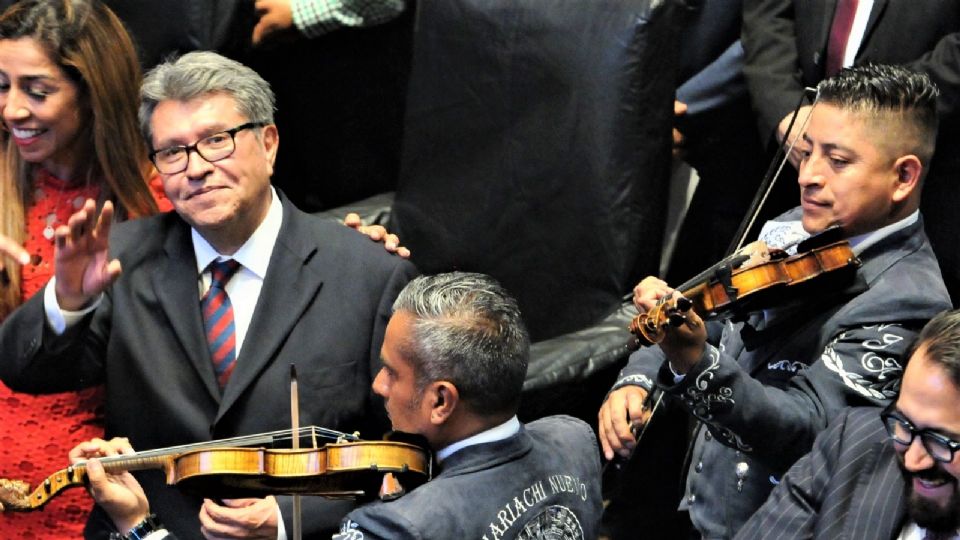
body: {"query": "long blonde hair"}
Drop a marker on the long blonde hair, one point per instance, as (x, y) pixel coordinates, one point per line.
(89, 42)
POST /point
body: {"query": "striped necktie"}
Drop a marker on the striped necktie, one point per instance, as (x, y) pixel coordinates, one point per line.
(218, 320)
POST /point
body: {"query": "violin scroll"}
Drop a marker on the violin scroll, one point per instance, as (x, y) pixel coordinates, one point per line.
(16, 496)
(651, 327)
(740, 285)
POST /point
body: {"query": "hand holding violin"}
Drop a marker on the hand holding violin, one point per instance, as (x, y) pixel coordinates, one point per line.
(685, 336)
(620, 416)
(684, 341)
(120, 495)
(648, 293)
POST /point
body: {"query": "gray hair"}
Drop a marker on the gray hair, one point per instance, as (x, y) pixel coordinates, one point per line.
(467, 330)
(199, 73)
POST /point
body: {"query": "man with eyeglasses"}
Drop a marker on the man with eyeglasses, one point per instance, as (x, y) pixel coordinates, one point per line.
(193, 318)
(895, 474)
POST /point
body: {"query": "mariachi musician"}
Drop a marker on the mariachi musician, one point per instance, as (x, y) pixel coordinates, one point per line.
(454, 359)
(763, 385)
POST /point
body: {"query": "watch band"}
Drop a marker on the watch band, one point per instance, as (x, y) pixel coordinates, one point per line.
(140, 531)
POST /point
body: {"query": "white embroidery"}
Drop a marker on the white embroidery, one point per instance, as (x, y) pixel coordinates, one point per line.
(886, 340)
(702, 403)
(553, 523)
(698, 399)
(349, 530)
(886, 371)
(789, 366)
(638, 379)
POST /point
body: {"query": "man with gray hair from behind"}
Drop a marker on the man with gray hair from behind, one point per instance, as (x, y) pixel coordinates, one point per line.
(454, 360)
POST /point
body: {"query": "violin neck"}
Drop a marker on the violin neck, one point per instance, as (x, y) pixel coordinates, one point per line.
(157, 458)
(134, 462)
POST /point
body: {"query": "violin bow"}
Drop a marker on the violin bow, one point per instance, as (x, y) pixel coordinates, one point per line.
(776, 166)
(770, 178)
(295, 425)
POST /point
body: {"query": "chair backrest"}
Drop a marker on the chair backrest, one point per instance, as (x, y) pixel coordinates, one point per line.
(537, 148)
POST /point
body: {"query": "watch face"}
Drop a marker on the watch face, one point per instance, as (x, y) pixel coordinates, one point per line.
(553, 523)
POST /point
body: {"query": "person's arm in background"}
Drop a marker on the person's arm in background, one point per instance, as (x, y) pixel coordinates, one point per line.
(313, 18)
(771, 61)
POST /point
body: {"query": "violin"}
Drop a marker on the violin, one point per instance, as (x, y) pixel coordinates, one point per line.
(231, 468)
(735, 286)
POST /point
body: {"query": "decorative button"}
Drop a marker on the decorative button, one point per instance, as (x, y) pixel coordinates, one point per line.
(699, 467)
(691, 499)
(707, 435)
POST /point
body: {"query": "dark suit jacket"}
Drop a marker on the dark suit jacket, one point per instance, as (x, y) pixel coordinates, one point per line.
(324, 306)
(543, 482)
(785, 43)
(848, 487)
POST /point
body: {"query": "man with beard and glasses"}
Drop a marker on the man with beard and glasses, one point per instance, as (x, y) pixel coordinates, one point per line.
(889, 475)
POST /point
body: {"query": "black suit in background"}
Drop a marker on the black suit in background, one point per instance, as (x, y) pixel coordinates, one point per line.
(848, 486)
(720, 137)
(324, 306)
(785, 43)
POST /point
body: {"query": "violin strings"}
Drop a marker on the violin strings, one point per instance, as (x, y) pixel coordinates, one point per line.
(244, 440)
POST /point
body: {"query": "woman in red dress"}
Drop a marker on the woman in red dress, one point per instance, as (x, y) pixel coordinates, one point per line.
(69, 84)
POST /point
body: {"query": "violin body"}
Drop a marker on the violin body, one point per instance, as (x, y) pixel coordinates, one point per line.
(740, 291)
(338, 470)
(347, 468)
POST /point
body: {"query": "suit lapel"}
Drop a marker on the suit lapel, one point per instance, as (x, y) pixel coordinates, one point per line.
(175, 284)
(289, 287)
(875, 13)
(880, 504)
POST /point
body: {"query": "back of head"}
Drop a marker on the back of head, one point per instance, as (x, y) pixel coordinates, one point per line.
(467, 330)
(940, 341)
(905, 100)
(200, 73)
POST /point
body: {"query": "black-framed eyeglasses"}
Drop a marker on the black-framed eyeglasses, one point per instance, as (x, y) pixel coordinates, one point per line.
(220, 145)
(939, 446)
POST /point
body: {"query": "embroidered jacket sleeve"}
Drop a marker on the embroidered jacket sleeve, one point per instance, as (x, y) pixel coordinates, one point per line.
(314, 18)
(777, 419)
(643, 365)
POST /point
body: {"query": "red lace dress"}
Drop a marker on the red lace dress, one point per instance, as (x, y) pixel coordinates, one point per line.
(37, 431)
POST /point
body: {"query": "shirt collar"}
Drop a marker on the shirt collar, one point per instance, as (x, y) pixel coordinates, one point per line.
(780, 233)
(505, 430)
(255, 253)
(862, 242)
